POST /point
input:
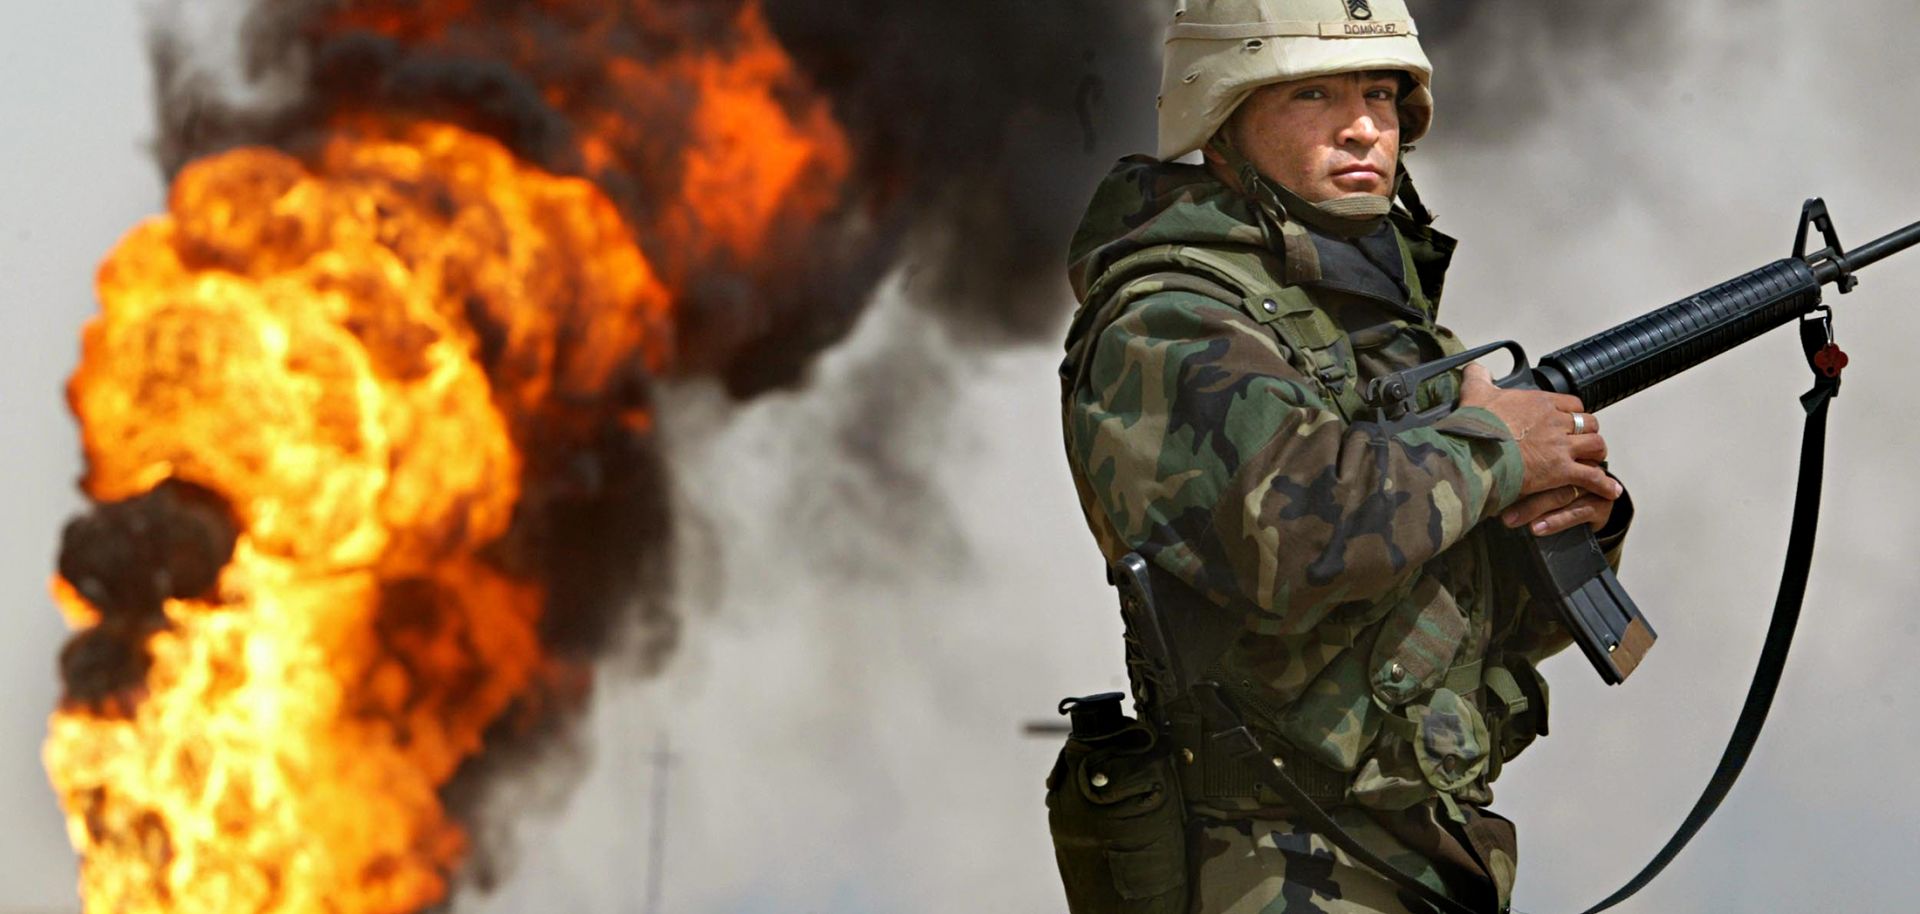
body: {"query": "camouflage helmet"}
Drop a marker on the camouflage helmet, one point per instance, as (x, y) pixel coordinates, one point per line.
(1219, 51)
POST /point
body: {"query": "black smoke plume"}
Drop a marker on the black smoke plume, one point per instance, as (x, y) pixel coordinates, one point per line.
(127, 558)
(988, 123)
(975, 130)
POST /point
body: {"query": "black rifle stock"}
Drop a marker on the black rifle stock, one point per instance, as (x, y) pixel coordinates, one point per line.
(1621, 361)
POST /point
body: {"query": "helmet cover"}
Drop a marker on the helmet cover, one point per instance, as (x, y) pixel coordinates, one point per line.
(1219, 51)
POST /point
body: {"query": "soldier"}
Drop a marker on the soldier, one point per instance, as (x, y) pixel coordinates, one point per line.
(1339, 580)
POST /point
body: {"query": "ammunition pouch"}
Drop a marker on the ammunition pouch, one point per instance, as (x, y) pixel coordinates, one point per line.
(1515, 699)
(1115, 808)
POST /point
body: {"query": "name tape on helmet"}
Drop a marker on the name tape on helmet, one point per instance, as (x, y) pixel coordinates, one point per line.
(1296, 28)
(1365, 29)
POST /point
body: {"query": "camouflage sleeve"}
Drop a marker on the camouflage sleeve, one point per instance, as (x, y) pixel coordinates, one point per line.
(1211, 454)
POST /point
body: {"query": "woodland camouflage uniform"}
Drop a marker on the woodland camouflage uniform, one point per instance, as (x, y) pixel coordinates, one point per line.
(1337, 579)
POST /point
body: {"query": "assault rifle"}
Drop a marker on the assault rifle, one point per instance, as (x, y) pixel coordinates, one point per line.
(1614, 364)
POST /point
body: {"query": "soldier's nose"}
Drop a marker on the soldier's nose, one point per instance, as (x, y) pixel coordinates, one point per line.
(1361, 131)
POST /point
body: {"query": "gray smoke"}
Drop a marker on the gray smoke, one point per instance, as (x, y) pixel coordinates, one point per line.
(1503, 67)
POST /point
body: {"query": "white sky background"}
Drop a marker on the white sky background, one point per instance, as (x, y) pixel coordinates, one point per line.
(852, 746)
(75, 177)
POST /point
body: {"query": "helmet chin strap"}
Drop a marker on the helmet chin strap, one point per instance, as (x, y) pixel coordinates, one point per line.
(1350, 216)
(1356, 206)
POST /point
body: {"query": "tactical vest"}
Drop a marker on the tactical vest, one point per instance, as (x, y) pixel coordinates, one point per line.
(1399, 714)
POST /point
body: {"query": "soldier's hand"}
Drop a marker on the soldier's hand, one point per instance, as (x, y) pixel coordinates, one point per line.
(1559, 509)
(1558, 461)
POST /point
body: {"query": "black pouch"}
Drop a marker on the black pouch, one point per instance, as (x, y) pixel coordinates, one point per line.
(1114, 807)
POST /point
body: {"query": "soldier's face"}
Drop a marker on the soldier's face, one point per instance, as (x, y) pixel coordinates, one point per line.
(1324, 137)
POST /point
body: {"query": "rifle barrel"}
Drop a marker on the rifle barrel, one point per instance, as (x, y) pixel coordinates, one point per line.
(1618, 362)
(1872, 252)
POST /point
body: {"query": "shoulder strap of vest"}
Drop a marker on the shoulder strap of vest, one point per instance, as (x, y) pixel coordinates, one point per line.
(1246, 278)
(1428, 251)
(1410, 198)
(1410, 268)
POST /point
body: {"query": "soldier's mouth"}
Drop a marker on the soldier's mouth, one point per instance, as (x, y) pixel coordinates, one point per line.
(1359, 179)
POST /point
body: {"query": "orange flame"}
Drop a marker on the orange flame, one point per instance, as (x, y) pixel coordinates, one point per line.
(300, 336)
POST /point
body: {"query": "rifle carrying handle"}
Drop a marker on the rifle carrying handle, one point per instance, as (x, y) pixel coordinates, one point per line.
(1395, 395)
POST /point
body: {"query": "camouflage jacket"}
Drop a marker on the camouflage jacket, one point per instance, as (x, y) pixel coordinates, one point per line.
(1358, 606)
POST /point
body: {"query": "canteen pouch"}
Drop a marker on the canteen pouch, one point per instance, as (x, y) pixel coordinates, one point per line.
(1118, 822)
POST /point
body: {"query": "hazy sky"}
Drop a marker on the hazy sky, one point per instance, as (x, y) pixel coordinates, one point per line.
(75, 178)
(845, 710)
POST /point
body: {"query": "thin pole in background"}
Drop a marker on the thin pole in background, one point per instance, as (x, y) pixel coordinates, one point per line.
(657, 842)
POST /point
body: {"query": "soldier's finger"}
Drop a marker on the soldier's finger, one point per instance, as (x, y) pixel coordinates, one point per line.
(1585, 510)
(1580, 423)
(1476, 389)
(1566, 403)
(1590, 448)
(1594, 480)
(1538, 505)
(1476, 375)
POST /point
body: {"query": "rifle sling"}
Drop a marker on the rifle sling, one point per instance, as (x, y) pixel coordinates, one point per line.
(1815, 336)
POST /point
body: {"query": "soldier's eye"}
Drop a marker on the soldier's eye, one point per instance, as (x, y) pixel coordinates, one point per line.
(1310, 94)
(1382, 94)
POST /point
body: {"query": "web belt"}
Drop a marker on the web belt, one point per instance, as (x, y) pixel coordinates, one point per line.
(1222, 774)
